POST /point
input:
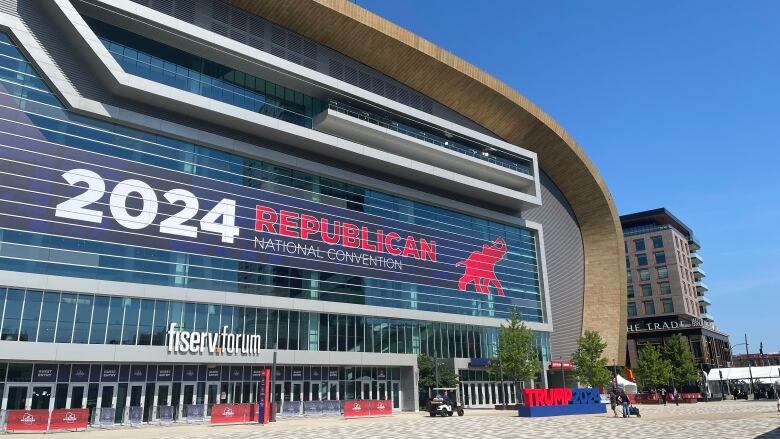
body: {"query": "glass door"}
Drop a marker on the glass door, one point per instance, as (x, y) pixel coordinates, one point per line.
(211, 397)
(16, 397)
(76, 395)
(121, 403)
(235, 397)
(136, 396)
(189, 394)
(107, 396)
(41, 398)
(161, 397)
(396, 395)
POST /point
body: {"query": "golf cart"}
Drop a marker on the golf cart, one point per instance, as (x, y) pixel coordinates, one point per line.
(444, 402)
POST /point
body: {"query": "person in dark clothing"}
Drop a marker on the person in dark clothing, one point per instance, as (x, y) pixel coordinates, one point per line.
(625, 402)
(663, 395)
(613, 401)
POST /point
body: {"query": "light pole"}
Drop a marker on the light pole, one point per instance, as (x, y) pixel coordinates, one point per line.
(273, 385)
(504, 393)
(747, 353)
(563, 373)
(750, 371)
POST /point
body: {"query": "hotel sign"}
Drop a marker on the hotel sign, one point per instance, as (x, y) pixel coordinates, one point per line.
(667, 325)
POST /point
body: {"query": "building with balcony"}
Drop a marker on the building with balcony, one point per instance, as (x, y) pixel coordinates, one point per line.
(756, 359)
(306, 177)
(665, 291)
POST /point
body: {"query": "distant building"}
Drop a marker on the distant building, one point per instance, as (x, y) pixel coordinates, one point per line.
(757, 359)
(666, 289)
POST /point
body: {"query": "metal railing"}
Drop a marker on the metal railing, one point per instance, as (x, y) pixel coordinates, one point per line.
(481, 153)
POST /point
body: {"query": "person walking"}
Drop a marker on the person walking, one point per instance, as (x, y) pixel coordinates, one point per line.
(613, 401)
(625, 402)
(663, 395)
(676, 397)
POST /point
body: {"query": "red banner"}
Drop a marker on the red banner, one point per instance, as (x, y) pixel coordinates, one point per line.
(381, 407)
(558, 365)
(69, 419)
(26, 420)
(355, 408)
(228, 413)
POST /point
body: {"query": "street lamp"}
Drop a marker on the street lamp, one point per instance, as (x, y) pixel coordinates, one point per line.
(563, 374)
(747, 354)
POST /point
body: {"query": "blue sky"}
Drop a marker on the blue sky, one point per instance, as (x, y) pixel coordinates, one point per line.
(677, 103)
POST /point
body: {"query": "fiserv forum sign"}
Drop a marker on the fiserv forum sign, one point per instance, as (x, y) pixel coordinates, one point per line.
(63, 191)
(225, 342)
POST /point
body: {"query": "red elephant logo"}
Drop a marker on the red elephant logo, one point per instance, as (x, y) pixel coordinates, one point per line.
(480, 268)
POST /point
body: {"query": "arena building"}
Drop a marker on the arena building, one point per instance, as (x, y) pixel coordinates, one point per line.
(189, 187)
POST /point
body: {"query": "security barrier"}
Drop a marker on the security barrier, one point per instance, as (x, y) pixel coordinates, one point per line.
(26, 420)
(69, 419)
(232, 413)
(362, 407)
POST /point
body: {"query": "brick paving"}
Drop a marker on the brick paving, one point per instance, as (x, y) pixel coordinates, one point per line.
(728, 419)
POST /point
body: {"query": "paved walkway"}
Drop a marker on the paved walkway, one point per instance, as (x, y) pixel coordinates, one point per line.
(727, 419)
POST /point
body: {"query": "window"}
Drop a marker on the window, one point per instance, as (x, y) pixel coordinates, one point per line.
(630, 277)
(632, 309)
(649, 308)
(647, 290)
(31, 316)
(663, 272)
(639, 245)
(13, 315)
(658, 242)
(665, 287)
(641, 259)
(660, 258)
(630, 291)
(628, 262)
(644, 274)
(668, 305)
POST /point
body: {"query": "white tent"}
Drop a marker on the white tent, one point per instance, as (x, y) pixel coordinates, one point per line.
(627, 385)
(764, 374)
(767, 374)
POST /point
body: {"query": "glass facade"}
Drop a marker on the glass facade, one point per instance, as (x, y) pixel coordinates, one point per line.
(49, 316)
(25, 251)
(158, 62)
(161, 63)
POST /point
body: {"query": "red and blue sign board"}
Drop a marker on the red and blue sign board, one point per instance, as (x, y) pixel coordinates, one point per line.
(561, 401)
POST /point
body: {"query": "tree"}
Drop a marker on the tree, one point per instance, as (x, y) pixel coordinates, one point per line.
(590, 366)
(678, 353)
(517, 355)
(427, 368)
(654, 370)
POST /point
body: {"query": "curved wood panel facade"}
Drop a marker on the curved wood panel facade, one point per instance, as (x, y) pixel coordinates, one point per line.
(431, 70)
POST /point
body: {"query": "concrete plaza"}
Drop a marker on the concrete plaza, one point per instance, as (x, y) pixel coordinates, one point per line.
(728, 419)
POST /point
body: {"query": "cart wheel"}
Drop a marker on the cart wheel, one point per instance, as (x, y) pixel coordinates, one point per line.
(460, 412)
